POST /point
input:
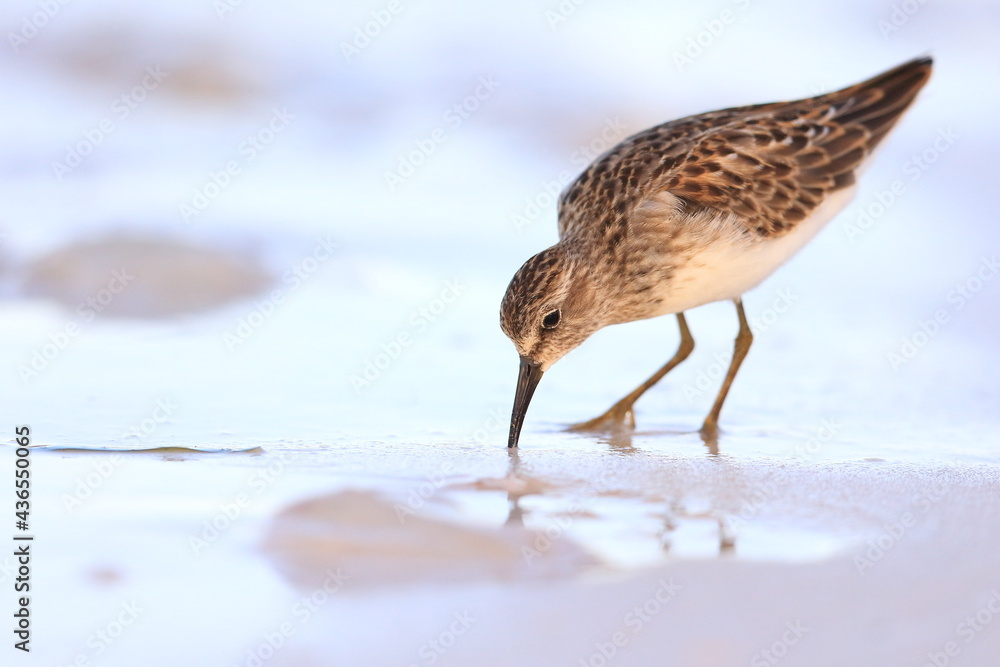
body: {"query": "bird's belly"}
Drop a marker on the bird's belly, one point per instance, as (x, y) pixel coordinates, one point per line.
(729, 266)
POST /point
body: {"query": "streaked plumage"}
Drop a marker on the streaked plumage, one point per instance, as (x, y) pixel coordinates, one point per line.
(698, 210)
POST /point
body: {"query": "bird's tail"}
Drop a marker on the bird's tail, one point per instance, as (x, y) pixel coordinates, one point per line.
(878, 103)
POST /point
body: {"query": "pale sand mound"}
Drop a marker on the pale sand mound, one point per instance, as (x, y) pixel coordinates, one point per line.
(142, 277)
(372, 542)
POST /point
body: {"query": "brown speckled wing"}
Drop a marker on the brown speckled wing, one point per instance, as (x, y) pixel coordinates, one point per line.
(770, 164)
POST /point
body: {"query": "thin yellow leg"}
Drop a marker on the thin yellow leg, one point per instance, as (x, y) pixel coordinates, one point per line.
(710, 429)
(614, 418)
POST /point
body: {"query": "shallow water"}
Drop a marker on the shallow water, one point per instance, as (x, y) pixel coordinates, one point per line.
(553, 546)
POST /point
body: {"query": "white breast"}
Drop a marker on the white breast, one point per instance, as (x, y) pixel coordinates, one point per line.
(729, 265)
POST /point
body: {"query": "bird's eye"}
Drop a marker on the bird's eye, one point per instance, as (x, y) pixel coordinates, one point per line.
(551, 320)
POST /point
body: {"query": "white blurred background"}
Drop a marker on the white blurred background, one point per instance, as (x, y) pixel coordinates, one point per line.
(209, 147)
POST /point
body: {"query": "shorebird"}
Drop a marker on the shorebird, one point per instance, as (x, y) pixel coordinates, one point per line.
(694, 211)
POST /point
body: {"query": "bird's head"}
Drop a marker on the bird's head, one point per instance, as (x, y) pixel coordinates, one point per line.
(550, 308)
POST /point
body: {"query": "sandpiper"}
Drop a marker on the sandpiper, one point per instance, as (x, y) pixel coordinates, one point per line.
(694, 211)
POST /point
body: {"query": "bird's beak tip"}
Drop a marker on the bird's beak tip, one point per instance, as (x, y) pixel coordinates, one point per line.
(528, 376)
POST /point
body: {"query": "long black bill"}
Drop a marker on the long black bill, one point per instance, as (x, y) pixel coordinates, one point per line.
(527, 380)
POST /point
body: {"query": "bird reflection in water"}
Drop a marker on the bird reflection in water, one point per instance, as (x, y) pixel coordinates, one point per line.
(674, 512)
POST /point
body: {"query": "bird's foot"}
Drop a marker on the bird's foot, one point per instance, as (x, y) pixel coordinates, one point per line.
(710, 436)
(618, 419)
